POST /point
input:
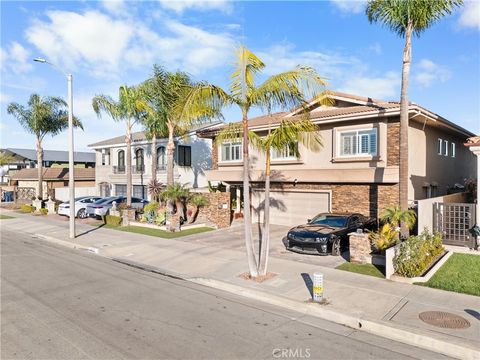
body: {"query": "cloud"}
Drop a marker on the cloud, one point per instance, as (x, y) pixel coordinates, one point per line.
(427, 72)
(376, 48)
(106, 45)
(383, 87)
(15, 58)
(179, 6)
(116, 7)
(470, 16)
(349, 6)
(5, 98)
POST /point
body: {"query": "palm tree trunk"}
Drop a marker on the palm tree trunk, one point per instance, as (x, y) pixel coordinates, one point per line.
(247, 216)
(170, 150)
(128, 141)
(154, 156)
(265, 244)
(39, 168)
(404, 107)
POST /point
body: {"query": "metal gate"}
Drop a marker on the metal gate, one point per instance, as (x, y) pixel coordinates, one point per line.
(453, 221)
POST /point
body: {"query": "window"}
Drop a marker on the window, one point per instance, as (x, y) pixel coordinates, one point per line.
(288, 152)
(121, 159)
(231, 151)
(358, 143)
(105, 157)
(445, 148)
(184, 155)
(139, 160)
(439, 146)
(453, 150)
(140, 191)
(161, 158)
(120, 190)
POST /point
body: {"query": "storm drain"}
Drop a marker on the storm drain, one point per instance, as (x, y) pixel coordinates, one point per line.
(444, 320)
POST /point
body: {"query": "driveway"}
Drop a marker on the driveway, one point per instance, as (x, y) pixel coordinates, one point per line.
(233, 238)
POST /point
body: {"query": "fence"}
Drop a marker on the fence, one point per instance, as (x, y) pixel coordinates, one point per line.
(425, 209)
(453, 221)
(63, 193)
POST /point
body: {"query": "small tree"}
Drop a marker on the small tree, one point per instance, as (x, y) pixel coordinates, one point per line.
(176, 194)
(395, 216)
(196, 200)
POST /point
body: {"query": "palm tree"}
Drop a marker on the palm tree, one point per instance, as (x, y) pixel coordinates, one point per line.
(407, 17)
(130, 108)
(42, 116)
(284, 90)
(5, 158)
(288, 134)
(177, 194)
(395, 216)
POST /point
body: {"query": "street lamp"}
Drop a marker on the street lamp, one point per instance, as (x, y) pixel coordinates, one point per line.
(71, 178)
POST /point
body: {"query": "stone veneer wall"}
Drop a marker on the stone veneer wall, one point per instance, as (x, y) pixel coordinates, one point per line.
(360, 248)
(366, 199)
(393, 144)
(217, 212)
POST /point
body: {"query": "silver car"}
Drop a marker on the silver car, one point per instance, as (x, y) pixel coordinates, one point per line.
(80, 206)
(102, 207)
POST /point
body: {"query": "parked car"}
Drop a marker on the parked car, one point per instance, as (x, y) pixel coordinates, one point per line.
(327, 233)
(102, 207)
(80, 206)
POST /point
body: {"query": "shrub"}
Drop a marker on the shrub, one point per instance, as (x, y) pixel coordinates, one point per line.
(153, 206)
(113, 220)
(44, 211)
(27, 208)
(161, 217)
(416, 254)
(384, 238)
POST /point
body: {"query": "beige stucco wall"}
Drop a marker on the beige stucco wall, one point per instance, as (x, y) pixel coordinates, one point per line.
(427, 167)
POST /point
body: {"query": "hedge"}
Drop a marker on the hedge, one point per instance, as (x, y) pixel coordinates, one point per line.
(27, 208)
(113, 220)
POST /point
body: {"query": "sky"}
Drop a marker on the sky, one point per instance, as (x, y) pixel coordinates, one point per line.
(105, 44)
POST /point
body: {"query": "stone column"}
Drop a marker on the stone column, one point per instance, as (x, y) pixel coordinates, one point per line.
(360, 248)
(51, 206)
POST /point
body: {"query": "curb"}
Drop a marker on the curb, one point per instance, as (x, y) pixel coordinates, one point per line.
(404, 335)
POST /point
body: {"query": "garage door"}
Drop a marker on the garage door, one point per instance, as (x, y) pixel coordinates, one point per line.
(290, 207)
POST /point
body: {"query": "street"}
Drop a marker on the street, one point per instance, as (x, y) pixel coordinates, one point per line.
(58, 303)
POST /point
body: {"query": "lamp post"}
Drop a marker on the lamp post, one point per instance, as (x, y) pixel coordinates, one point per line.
(71, 167)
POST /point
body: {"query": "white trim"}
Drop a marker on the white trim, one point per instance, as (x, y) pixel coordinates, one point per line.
(230, 143)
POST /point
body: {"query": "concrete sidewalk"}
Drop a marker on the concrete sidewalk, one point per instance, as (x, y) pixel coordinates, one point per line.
(375, 305)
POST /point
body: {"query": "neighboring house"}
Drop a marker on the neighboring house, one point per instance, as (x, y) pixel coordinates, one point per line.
(55, 182)
(27, 158)
(357, 168)
(191, 158)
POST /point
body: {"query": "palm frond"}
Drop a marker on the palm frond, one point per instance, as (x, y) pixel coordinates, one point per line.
(247, 65)
(104, 103)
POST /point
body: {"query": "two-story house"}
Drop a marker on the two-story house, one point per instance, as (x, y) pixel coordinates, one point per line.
(192, 158)
(357, 170)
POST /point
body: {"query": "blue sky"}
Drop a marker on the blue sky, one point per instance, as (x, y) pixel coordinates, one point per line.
(108, 43)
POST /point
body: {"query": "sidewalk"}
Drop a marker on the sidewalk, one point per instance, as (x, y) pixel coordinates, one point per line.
(371, 304)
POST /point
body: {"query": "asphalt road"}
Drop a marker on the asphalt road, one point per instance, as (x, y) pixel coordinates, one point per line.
(58, 303)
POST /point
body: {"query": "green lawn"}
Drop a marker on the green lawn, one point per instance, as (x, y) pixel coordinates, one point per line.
(4, 217)
(158, 232)
(461, 273)
(364, 269)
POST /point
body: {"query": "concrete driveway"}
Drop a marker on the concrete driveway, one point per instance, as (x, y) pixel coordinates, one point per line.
(233, 238)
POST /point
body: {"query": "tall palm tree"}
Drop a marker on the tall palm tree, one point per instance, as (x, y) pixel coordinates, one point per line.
(42, 116)
(284, 90)
(407, 17)
(130, 108)
(288, 134)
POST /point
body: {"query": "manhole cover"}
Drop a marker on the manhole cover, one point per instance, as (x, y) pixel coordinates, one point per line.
(444, 320)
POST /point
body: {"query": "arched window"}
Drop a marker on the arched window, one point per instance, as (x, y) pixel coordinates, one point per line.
(161, 158)
(139, 160)
(121, 160)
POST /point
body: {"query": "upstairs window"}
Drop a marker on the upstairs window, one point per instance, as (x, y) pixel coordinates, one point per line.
(439, 146)
(453, 151)
(445, 147)
(231, 151)
(358, 142)
(121, 159)
(184, 155)
(161, 157)
(139, 160)
(289, 152)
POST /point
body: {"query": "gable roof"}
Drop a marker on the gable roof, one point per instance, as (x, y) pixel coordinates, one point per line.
(140, 135)
(53, 155)
(55, 173)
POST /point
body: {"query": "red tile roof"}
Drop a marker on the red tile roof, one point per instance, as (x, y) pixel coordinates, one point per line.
(54, 174)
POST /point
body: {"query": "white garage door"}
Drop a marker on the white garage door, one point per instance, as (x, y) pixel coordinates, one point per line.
(290, 207)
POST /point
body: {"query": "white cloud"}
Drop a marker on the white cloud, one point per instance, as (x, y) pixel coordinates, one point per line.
(470, 16)
(15, 58)
(349, 6)
(427, 72)
(376, 48)
(116, 7)
(180, 6)
(384, 87)
(5, 98)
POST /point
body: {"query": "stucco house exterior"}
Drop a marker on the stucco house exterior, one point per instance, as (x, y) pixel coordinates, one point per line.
(192, 158)
(357, 170)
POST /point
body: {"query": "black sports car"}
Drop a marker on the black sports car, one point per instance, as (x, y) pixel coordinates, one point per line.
(326, 233)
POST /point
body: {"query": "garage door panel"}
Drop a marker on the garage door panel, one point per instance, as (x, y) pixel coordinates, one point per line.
(290, 208)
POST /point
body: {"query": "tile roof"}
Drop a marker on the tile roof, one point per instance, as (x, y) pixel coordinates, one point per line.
(55, 173)
(53, 155)
(140, 135)
(473, 141)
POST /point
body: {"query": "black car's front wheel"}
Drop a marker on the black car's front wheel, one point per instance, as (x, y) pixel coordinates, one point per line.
(336, 247)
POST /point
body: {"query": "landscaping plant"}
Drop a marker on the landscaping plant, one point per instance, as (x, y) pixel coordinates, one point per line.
(416, 254)
(43, 211)
(384, 238)
(155, 189)
(196, 200)
(176, 195)
(113, 220)
(27, 208)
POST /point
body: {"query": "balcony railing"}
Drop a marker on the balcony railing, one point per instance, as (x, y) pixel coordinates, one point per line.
(119, 169)
(136, 169)
(161, 167)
